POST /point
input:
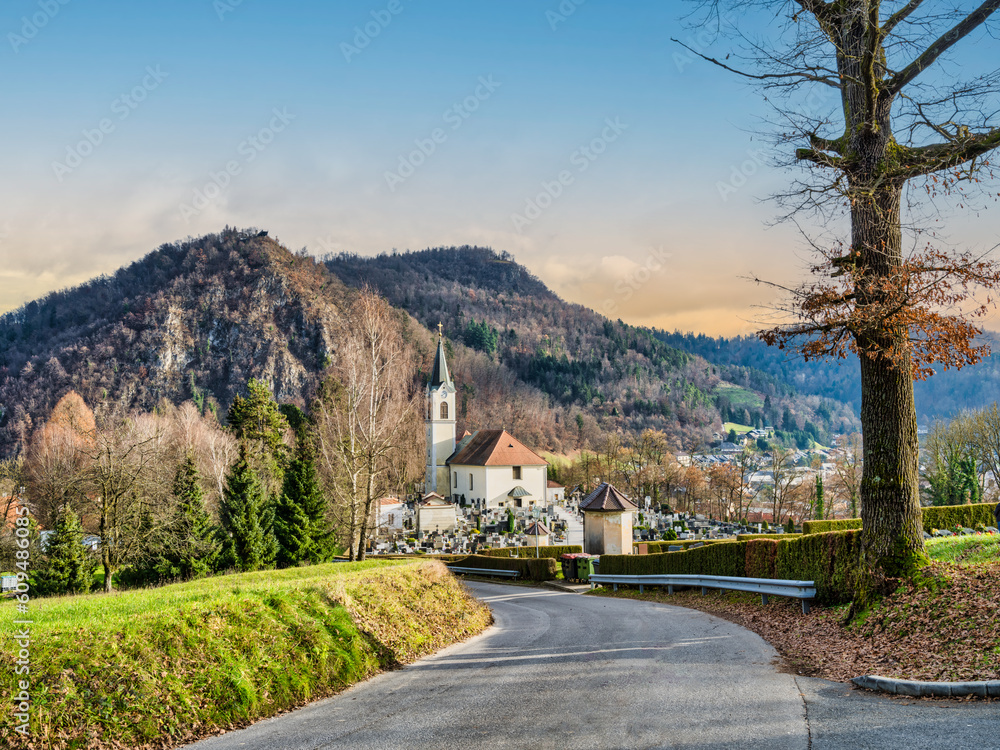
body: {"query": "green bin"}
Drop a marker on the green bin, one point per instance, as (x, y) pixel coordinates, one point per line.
(585, 566)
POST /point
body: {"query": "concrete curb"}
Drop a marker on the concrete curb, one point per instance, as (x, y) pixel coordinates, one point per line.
(572, 588)
(918, 689)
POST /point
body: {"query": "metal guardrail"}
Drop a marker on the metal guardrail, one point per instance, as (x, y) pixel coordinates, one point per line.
(485, 571)
(804, 590)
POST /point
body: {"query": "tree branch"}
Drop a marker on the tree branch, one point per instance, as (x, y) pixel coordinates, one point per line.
(899, 16)
(924, 160)
(762, 76)
(940, 46)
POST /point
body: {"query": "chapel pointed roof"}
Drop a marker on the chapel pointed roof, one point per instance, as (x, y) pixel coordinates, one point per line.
(439, 373)
(607, 499)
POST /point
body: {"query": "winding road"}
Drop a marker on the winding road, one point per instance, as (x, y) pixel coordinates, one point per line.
(560, 670)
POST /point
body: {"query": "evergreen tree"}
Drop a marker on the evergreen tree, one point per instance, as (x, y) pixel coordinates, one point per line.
(192, 545)
(819, 497)
(300, 523)
(67, 567)
(247, 518)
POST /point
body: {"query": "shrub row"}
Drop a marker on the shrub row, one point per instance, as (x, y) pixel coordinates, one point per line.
(821, 527)
(715, 557)
(657, 547)
(949, 516)
(542, 569)
(760, 558)
(751, 537)
(935, 517)
(829, 559)
(552, 551)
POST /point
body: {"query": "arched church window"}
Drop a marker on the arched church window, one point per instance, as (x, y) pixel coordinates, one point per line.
(444, 410)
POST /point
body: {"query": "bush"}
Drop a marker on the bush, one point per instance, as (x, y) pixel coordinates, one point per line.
(828, 559)
(542, 569)
(821, 527)
(654, 548)
(760, 558)
(751, 537)
(949, 516)
(552, 551)
(717, 559)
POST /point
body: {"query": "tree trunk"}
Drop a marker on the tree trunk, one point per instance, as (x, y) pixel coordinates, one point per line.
(107, 572)
(892, 537)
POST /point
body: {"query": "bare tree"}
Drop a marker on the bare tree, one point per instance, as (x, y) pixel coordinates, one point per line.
(365, 414)
(847, 467)
(126, 483)
(55, 463)
(894, 117)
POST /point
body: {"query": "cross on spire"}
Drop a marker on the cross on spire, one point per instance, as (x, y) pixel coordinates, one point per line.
(440, 330)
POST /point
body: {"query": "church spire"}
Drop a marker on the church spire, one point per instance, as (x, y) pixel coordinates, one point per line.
(439, 373)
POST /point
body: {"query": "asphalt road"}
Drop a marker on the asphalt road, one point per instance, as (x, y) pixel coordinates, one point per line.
(569, 671)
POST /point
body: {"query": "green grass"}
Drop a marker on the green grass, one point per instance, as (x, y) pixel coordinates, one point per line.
(179, 661)
(965, 550)
(739, 397)
(741, 429)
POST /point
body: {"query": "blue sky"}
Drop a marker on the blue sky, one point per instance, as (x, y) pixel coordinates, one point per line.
(368, 126)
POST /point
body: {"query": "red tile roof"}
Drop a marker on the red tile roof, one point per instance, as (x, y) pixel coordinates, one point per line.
(607, 498)
(554, 485)
(495, 448)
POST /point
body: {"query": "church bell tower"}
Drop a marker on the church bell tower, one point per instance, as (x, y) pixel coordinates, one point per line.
(440, 424)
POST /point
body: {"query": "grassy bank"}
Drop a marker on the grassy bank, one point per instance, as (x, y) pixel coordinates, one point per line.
(157, 667)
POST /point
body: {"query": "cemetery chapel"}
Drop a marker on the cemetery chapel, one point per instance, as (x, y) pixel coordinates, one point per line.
(488, 469)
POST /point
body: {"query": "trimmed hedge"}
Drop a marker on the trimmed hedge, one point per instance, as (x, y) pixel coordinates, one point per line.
(949, 516)
(829, 559)
(821, 527)
(760, 558)
(552, 551)
(934, 517)
(531, 569)
(655, 548)
(751, 537)
(710, 560)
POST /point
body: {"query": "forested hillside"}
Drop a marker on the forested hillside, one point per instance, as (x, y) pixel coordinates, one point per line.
(188, 321)
(617, 375)
(944, 395)
(196, 320)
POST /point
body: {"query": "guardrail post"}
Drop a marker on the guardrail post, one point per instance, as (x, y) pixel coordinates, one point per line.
(763, 598)
(805, 606)
(670, 588)
(640, 588)
(615, 585)
(704, 591)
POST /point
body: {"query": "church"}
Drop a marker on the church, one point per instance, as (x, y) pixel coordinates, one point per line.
(486, 470)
